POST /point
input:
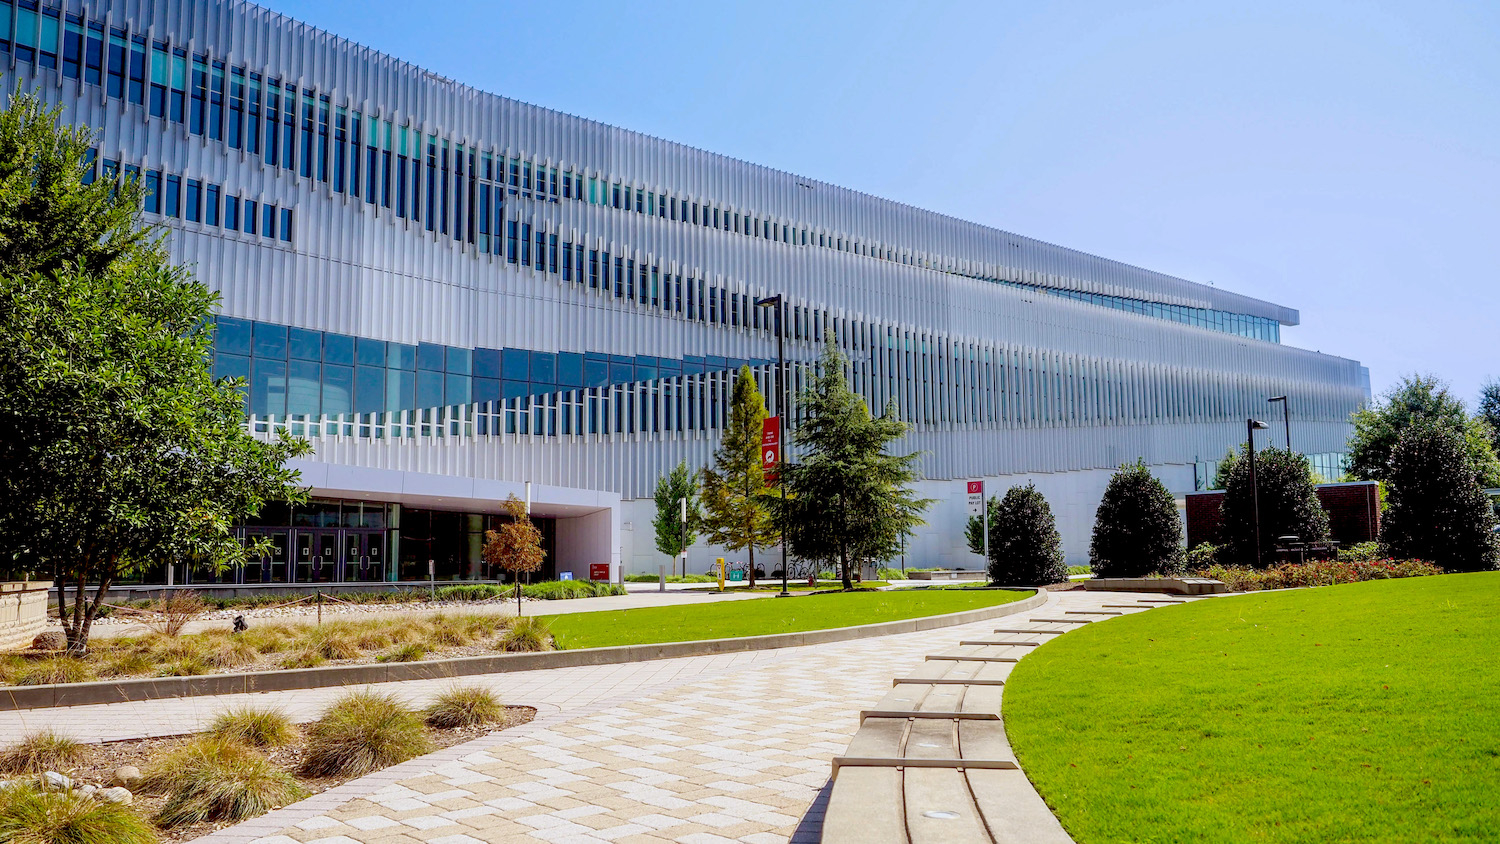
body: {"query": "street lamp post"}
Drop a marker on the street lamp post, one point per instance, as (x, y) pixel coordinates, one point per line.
(1251, 426)
(1286, 418)
(781, 434)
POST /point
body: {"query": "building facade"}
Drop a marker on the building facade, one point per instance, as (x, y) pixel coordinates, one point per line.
(458, 296)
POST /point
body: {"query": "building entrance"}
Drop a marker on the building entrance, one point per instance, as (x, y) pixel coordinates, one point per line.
(314, 555)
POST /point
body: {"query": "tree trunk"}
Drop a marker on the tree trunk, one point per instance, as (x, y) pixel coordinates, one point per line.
(752, 565)
(518, 595)
(843, 547)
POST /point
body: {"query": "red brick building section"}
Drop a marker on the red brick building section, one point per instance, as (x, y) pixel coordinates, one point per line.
(1353, 514)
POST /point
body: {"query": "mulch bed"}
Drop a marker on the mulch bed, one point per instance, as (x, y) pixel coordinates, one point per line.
(105, 758)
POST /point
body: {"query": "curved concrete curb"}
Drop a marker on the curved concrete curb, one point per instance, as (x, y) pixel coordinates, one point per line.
(118, 691)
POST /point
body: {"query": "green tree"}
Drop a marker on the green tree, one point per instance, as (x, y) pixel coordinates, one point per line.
(671, 537)
(516, 545)
(1489, 410)
(118, 450)
(736, 514)
(847, 501)
(974, 527)
(1225, 469)
(1136, 529)
(1378, 428)
(1437, 510)
(1025, 549)
(1288, 504)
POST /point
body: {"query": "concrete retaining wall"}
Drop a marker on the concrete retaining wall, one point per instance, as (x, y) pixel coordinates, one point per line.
(23, 613)
(116, 691)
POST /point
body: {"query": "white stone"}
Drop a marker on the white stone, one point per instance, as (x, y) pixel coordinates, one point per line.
(53, 781)
(118, 795)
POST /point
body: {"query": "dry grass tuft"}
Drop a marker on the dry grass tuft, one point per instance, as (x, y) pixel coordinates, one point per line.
(174, 612)
(254, 727)
(212, 778)
(42, 751)
(29, 815)
(465, 706)
(363, 732)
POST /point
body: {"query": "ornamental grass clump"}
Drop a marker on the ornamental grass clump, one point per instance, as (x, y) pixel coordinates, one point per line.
(254, 727)
(211, 778)
(525, 635)
(465, 706)
(31, 815)
(409, 652)
(42, 751)
(363, 732)
(54, 669)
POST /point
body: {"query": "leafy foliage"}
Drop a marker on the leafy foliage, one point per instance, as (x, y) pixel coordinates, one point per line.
(1489, 410)
(672, 538)
(1437, 510)
(118, 450)
(515, 546)
(1136, 528)
(734, 492)
(847, 500)
(1313, 573)
(1288, 503)
(1418, 398)
(1025, 549)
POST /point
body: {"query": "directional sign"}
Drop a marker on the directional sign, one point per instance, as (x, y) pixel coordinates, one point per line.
(770, 447)
(976, 498)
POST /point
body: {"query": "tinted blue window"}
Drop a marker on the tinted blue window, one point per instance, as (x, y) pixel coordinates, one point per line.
(486, 389)
(538, 388)
(400, 389)
(515, 364)
(487, 363)
(338, 348)
(595, 373)
(400, 356)
(369, 388)
(338, 389)
(270, 340)
(459, 361)
(716, 363)
(303, 387)
(429, 389)
(570, 369)
(621, 373)
(543, 367)
(231, 366)
(514, 389)
(232, 335)
(430, 357)
(268, 388)
(370, 352)
(645, 373)
(304, 344)
(456, 390)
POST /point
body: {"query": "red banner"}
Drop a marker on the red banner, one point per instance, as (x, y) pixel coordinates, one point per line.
(599, 571)
(770, 447)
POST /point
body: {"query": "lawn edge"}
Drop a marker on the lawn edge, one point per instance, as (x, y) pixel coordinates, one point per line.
(157, 688)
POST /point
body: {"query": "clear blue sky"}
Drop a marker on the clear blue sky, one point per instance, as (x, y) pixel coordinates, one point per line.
(1339, 158)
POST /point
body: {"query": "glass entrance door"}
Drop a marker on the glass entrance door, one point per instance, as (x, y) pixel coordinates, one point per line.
(269, 567)
(364, 555)
(317, 556)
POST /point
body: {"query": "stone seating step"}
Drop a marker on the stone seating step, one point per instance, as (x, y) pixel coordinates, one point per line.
(1094, 612)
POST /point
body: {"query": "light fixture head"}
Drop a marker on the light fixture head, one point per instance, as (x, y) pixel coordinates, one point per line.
(1276, 398)
(1258, 425)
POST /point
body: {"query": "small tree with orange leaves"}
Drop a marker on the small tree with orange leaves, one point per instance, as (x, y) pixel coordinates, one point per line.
(515, 547)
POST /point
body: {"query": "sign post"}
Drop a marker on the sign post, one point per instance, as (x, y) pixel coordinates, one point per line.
(977, 508)
(770, 449)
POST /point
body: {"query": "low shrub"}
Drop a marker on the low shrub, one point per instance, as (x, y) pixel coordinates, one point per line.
(474, 592)
(302, 658)
(1363, 552)
(640, 577)
(231, 654)
(42, 751)
(53, 669)
(363, 732)
(254, 727)
(1201, 556)
(524, 635)
(552, 590)
(466, 706)
(332, 641)
(1080, 570)
(409, 652)
(212, 778)
(175, 611)
(188, 666)
(30, 815)
(1317, 573)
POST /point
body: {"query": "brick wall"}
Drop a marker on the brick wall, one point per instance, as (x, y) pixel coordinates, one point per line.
(23, 613)
(1353, 514)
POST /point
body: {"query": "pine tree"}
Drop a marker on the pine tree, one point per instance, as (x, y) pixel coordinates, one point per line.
(1025, 548)
(1136, 529)
(736, 513)
(1436, 510)
(848, 500)
(672, 538)
(1288, 504)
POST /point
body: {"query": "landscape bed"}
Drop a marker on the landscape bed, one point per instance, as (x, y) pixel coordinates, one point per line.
(1364, 712)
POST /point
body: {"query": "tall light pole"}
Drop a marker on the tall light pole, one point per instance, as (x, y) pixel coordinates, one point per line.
(1251, 426)
(1286, 418)
(781, 413)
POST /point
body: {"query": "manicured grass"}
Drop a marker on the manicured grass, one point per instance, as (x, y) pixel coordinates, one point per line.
(1366, 712)
(760, 616)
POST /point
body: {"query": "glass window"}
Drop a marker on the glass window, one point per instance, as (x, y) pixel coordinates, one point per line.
(232, 213)
(231, 366)
(595, 373)
(304, 344)
(369, 388)
(570, 369)
(459, 361)
(400, 389)
(232, 335)
(338, 348)
(303, 387)
(456, 390)
(338, 389)
(370, 352)
(429, 389)
(268, 387)
(286, 225)
(621, 373)
(486, 389)
(543, 367)
(515, 365)
(250, 216)
(270, 340)
(487, 363)
(430, 357)
(400, 356)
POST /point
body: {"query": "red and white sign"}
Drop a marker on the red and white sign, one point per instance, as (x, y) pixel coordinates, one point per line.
(976, 497)
(770, 447)
(599, 571)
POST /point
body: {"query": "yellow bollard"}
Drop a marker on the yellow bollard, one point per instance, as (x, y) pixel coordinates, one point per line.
(720, 562)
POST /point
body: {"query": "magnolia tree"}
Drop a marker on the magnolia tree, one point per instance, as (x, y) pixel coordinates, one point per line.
(1435, 508)
(515, 546)
(1136, 529)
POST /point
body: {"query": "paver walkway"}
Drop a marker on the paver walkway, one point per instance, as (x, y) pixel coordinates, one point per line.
(735, 747)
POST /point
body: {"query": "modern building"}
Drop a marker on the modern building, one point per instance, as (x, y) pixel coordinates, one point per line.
(453, 294)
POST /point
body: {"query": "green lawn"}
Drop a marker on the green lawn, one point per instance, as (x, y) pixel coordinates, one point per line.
(759, 616)
(1367, 712)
